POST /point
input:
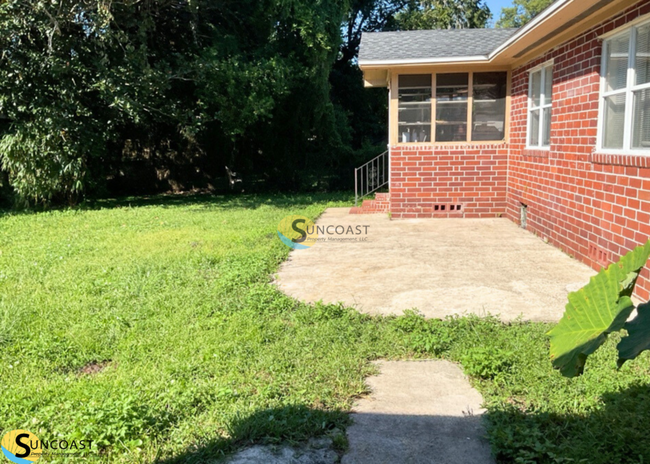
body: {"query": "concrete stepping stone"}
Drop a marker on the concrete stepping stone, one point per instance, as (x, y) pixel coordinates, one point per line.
(418, 412)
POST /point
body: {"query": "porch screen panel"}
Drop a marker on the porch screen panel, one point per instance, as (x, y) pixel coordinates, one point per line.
(452, 91)
(489, 108)
(415, 93)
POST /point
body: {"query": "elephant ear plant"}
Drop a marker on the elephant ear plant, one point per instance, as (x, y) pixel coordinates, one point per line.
(600, 308)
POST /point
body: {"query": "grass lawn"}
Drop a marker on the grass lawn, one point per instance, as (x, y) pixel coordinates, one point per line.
(153, 329)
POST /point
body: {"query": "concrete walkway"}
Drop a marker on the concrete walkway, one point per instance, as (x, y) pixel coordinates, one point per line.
(439, 266)
(419, 412)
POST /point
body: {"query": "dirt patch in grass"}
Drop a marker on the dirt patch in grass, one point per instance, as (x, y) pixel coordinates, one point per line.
(95, 367)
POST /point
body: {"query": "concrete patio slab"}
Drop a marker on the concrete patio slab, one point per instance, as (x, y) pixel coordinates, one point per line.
(439, 266)
(419, 412)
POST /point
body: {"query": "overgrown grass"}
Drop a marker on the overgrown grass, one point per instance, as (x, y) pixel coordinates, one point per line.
(152, 327)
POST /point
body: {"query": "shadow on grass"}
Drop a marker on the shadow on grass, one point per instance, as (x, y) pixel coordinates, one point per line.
(289, 424)
(246, 201)
(614, 432)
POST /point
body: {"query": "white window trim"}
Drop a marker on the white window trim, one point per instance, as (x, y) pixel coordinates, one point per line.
(629, 90)
(543, 105)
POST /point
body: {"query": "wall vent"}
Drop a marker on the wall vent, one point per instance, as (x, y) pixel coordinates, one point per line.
(523, 216)
(440, 208)
(599, 255)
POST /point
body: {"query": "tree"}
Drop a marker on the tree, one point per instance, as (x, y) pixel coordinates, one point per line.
(367, 16)
(363, 112)
(521, 12)
(444, 14)
(83, 83)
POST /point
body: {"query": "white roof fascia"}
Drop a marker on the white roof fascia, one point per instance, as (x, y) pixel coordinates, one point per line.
(455, 59)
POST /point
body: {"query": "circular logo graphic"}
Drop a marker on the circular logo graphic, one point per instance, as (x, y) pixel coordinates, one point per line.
(297, 232)
(21, 447)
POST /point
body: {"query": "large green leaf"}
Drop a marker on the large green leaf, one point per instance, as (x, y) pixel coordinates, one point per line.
(596, 310)
(638, 338)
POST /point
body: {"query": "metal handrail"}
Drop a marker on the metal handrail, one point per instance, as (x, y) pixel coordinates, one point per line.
(374, 172)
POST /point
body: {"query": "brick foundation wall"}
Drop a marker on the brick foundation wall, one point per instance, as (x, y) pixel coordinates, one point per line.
(593, 206)
(431, 181)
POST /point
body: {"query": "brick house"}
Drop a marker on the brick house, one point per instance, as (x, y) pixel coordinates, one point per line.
(548, 125)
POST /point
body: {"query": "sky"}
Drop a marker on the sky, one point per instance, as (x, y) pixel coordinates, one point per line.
(495, 7)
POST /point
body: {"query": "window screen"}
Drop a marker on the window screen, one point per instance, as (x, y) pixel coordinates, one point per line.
(453, 117)
(451, 107)
(489, 111)
(415, 108)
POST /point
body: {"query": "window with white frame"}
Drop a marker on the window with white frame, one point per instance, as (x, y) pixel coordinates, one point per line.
(540, 104)
(625, 104)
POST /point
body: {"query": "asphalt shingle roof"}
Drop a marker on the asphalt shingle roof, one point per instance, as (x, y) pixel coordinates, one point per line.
(447, 43)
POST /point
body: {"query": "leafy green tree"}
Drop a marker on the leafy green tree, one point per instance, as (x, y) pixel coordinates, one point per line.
(521, 12)
(89, 86)
(367, 16)
(362, 113)
(444, 14)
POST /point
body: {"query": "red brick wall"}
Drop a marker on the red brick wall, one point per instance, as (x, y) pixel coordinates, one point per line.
(595, 207)
(425, 180)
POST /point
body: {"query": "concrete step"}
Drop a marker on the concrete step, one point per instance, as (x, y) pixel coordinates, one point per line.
(368, 210)
(381, 204)
(374, 203)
